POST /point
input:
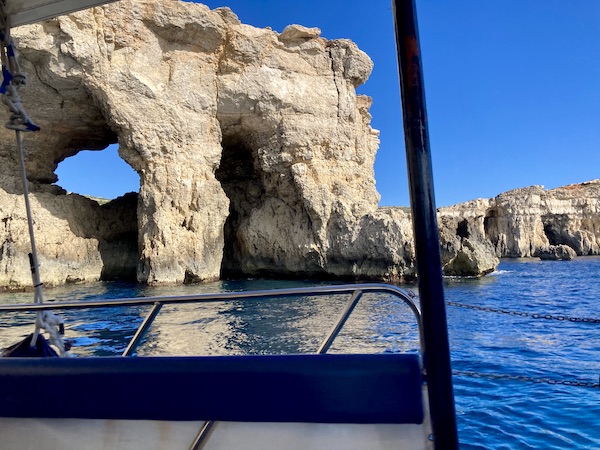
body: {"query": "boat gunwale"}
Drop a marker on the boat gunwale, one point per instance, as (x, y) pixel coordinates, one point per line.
(218, 297)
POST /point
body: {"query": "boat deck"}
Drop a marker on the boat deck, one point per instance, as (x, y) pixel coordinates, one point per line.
(315, 401)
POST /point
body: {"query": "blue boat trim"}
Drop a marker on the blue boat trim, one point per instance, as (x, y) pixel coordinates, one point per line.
(282, 388)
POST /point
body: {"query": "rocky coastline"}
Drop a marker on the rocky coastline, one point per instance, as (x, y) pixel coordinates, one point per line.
(555, 223)
(255, 157)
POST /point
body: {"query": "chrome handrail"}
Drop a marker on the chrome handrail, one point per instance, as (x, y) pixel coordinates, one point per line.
(357, 290)
(337, 327)
(141, 331)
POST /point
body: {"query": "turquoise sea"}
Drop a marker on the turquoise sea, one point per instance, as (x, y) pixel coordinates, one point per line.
(526, 368)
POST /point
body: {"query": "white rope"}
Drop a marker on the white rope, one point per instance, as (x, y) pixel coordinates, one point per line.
(53, 325)
(13, 78)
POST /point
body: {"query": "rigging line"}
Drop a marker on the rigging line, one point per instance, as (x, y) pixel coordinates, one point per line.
(53, 324)
(13, 79)
(526, 314)
(33, 259)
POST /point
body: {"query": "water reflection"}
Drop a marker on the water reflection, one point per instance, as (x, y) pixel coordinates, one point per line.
(380, 322)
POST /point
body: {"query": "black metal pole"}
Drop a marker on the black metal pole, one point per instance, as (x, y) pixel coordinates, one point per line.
(420, 174)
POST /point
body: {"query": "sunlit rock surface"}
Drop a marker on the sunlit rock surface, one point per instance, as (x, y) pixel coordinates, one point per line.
(535, 222)
(255, 157)
(250, 145)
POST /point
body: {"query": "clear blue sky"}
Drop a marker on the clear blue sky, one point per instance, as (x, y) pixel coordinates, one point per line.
(513, 92)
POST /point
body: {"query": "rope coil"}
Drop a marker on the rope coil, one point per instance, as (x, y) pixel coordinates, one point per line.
(53, 325)
(12, 78)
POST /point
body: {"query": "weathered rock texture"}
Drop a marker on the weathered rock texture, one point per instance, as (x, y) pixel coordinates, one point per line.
(465, 249)
(254, 152)
(534, 222)
(560, 252)
(77, 239)
(255, 156)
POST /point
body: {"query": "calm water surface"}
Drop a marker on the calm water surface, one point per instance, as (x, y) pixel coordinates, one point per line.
(498, 356)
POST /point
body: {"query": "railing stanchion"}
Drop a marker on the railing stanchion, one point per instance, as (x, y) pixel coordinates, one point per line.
(356, 295)
(143, 328)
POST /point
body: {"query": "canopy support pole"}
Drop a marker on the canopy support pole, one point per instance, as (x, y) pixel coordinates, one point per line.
(420, 173)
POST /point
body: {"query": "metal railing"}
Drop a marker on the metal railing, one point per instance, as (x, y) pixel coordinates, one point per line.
(356, 291)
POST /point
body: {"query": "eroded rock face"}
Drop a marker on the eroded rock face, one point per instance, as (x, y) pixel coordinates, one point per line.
(77, 239)
(560, 252)
(249, 143)
(465, 249)
(530, 221)
(255, 156)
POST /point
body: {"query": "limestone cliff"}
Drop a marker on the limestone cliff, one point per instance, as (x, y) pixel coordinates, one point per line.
(255, 156)
(535, 222)
(254, 151)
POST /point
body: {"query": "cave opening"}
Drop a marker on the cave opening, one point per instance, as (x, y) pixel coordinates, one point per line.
(241, 181)
(551, 234)
(105, 179)
(555, 226)
(557, 229)
(462, 229)
(490, 225)
(98, 174)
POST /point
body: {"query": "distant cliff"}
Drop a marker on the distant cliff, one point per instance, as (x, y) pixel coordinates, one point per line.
(255, 157)
(532, 221)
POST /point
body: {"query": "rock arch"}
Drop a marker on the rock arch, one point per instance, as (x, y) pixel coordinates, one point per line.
(189, 93)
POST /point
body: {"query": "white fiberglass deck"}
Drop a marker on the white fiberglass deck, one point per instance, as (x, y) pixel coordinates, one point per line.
(77, 434)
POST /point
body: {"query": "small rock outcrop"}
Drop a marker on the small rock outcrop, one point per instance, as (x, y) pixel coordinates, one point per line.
(557, 253)
(465, 249)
